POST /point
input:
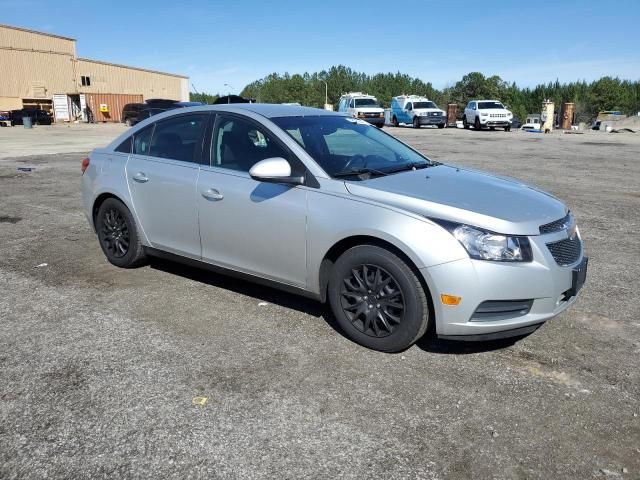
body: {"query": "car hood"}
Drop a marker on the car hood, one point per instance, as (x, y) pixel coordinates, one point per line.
(499, 204)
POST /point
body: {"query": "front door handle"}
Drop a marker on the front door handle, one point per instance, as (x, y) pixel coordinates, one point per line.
(212, 194)
(140, 177)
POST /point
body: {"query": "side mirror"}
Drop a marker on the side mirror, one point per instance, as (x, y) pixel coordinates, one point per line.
(274, 170)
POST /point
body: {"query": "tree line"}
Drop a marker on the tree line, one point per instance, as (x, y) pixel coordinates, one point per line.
(589, 98)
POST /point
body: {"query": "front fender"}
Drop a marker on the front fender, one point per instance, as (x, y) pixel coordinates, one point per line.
(333, 219)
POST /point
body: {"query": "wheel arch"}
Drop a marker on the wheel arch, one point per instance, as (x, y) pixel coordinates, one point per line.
(346, 243)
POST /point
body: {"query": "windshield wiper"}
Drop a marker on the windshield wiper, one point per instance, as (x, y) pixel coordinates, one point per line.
(359, 171)
(412, 166)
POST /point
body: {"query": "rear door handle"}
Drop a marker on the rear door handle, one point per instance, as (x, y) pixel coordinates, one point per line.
(140, 177)
(212, 194)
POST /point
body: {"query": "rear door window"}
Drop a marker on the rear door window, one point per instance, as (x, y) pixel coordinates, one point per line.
(142, 141)
(179, 138)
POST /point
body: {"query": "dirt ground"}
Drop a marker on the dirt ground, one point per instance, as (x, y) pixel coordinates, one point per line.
(100, 367)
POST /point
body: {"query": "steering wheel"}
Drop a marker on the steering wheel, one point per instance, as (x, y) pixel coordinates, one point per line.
(353, 160)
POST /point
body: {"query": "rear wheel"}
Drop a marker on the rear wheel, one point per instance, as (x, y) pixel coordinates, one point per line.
(476, 124)
(464, 122)
(118, 235)
(416, 122)
(377, 299)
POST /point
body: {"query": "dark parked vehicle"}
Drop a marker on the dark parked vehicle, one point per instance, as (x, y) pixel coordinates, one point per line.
(130, 113)
(515, 123)
(154, 107)
(38, 117)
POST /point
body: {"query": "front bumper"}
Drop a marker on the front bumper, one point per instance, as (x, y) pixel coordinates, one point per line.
(429, 120)
(495, 122)
(377, 121)
(542, 281)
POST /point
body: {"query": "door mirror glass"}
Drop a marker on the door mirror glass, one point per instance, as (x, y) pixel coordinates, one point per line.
(274, 170)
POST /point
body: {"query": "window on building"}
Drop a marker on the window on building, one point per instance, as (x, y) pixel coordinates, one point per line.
(85, 81)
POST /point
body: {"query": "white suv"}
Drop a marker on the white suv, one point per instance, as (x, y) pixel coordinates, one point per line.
(365, 107)
(487, 113)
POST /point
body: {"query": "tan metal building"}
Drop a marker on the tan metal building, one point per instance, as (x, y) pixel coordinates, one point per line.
(41, 70)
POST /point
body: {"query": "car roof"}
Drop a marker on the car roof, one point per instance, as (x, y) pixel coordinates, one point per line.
(268, 110)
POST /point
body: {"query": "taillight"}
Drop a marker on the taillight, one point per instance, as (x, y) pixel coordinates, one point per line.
(85, 165)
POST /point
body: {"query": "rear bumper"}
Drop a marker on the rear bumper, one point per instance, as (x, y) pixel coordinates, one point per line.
(543, 283)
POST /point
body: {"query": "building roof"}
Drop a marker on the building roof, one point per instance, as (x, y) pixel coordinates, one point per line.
(37, 32)
(129, 66)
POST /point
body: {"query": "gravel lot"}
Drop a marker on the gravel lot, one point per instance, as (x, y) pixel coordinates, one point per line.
(99, 367)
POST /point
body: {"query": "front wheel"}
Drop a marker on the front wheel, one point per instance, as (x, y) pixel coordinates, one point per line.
(128, 122)
(395, 121)
(377, 299)
(416, 122)
(476, 124)
(464, 122)
(441, 125)
(118, 235)
(507, 129)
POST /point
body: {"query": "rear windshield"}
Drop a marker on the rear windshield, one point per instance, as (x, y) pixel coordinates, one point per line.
(424, 105)
(485, 105)
(366, 102)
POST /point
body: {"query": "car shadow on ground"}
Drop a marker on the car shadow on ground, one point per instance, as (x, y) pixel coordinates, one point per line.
(428, 343)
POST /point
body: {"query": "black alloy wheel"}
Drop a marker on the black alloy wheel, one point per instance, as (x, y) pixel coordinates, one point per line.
(476, 124)
(372, 300)
(118, 234)
(378, 299)
(115, 233)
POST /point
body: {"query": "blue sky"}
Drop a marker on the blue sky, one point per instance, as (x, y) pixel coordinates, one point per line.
(235, 42)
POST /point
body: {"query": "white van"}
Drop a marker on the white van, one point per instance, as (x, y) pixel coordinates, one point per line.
(365, 107)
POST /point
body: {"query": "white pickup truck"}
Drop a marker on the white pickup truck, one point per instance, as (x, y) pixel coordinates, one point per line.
(487, 113)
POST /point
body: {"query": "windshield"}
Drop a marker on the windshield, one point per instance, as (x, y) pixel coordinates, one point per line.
(340, 145)
(366, 102)
(424, 105)
(486, 105)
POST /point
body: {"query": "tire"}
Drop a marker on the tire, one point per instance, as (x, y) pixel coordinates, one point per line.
(416, 122)
(476, 124)
(441, 125)
(381, 125)
(127, 122)
(507, 129)
(354, 277)
(118, 235)
(464, 122)
(395, 121)
(492, 128)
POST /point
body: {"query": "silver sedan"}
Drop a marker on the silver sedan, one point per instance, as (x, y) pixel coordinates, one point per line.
(330, 207)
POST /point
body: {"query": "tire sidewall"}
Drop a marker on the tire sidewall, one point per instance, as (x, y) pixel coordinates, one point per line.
(131, 255)
(416, 310)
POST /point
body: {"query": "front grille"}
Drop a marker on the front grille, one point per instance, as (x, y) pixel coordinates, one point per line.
(501, 310)
(567, 251)
(498, 115)
(556, 225)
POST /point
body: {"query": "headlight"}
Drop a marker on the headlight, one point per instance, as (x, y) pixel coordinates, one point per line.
(509, 114)
(483, 245)
(484, 114)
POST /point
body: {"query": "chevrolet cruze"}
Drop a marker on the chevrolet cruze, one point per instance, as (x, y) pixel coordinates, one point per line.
(328, 206)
